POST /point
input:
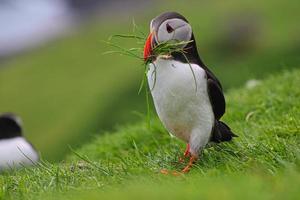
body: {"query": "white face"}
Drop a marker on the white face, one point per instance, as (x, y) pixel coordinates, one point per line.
(173, 29)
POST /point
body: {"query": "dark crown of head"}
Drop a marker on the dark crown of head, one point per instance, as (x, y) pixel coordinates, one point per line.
(9, 126)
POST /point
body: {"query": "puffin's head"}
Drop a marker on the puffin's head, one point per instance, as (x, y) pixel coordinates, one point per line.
(169, 26)
(10, 126)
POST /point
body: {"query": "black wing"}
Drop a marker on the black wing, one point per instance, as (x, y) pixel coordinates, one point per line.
(213, 84)
(216, 96)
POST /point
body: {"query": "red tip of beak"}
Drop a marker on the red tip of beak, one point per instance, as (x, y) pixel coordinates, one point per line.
(148, 47)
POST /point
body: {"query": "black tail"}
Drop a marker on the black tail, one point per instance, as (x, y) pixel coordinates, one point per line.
(221, 132)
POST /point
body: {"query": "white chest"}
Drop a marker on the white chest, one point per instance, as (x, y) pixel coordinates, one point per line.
(181, 100)
(16, 152)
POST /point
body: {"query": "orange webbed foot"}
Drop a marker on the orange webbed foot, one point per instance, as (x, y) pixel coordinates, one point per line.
(187, 168)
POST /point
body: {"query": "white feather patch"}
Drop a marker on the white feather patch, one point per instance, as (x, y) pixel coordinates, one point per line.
(16, 152)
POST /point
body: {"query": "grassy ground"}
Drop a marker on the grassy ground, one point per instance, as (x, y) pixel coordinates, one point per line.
(263, 162)
(67, 91)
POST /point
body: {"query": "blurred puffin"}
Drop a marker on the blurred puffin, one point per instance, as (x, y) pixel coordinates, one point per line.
(15, 150)
(188, 97)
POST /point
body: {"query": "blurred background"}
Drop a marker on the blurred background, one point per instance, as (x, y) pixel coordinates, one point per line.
(53, 72)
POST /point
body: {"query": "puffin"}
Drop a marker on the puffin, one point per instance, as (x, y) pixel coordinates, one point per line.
(187, 96)
(15, 150)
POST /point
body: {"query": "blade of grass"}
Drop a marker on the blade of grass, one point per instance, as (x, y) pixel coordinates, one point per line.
(126, 36)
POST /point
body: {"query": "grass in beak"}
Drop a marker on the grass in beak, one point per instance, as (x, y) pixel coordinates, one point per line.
(169, 47)
(162, 49)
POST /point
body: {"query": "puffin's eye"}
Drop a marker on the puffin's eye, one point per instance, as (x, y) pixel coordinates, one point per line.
(169, 28)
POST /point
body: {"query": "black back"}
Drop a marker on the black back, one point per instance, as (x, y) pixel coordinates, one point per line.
(9, 126)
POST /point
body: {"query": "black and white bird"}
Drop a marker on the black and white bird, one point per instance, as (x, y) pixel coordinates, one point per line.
(189, 105)
(15, 150)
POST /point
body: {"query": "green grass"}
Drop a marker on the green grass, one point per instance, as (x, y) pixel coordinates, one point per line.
(68, 91)
(263, 162)
(237, 186)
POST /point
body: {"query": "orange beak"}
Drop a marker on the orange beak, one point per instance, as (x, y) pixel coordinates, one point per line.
(148, 47)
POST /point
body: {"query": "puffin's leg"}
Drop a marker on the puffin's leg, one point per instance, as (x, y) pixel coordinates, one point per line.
(198, 139)
(187, 168)
(186, 153)
(181, 160)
